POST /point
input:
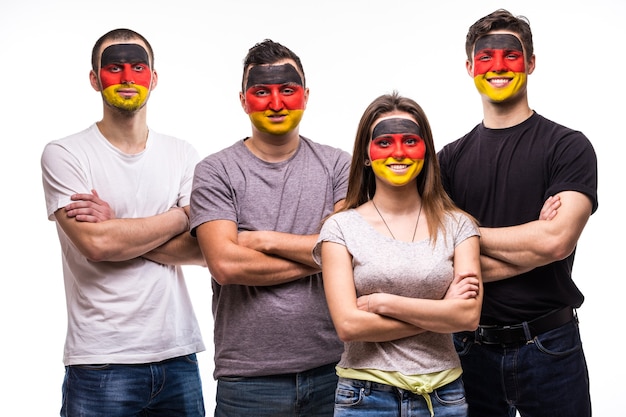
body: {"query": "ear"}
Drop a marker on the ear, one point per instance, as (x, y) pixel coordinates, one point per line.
(155, 80)
(530, 65)
(469, 66)
(306, 97)
(93, 80)
(242, 100)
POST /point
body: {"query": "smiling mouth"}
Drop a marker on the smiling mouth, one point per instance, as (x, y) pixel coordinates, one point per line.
(499, 82)
(397, 167)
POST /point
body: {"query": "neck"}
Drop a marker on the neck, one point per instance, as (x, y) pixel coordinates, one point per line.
(272, 148)
(397, 200)
(505, 114)
(128, 133)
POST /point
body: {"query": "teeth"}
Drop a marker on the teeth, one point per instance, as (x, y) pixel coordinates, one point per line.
(499, 81)
(398, 166)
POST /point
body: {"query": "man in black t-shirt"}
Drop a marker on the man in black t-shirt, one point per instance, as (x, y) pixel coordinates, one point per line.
(532, 185)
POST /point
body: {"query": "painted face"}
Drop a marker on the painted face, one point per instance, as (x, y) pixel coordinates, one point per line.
(125, 75)
(397, 150)
(275, 98)
(499, 66)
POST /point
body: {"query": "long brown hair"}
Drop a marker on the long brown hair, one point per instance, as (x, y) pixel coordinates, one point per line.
(362, 185)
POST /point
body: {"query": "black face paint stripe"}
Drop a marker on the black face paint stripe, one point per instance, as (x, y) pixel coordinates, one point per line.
(504, 41)
(123, 53)
(396, 125)
(273, 74)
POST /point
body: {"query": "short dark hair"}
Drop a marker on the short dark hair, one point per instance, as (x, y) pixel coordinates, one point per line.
(118, 35)
(269, 52)
(501, 19)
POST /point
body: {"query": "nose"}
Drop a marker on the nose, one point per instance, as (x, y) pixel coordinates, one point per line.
(398, 151)
(276, 102)
(499, 63)
(128, 76)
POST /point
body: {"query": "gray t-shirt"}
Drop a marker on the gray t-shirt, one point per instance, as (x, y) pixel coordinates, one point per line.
(411, 269)
(283, 328)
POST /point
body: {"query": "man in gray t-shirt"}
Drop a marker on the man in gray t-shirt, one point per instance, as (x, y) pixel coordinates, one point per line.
(256, 209)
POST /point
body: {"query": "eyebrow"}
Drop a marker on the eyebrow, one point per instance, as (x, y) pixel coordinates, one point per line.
(504, 41)
(123, 53)
(273, 74)
(396, 125)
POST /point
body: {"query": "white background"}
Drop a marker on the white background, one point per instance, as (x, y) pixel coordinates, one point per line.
(352, 51)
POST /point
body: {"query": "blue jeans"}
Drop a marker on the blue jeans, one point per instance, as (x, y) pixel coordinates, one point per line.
(171, 388)
(544, 377)
(309, 393)
(364, 398)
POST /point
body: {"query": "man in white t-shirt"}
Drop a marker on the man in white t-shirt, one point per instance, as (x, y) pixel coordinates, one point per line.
(119, 194)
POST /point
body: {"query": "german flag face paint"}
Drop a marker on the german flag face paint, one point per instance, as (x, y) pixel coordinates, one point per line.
(499, 66)
(275, 98)
(397, 150)
(125, 75)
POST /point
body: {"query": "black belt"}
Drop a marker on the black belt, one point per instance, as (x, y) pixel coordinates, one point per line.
(517, 333)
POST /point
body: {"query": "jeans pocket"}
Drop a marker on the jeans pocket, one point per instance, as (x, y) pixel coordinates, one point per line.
(451, 394)
(561, 341)
(347, 395)
(463, 343)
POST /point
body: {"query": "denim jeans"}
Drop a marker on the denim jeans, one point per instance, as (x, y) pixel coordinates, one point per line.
(545, 377)
(363, 398)
(171, 388)
(309, 393)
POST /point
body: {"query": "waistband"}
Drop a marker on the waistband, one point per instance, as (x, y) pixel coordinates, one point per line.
(526, 331)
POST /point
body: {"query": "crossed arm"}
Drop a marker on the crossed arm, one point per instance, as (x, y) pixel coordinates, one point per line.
(510, 251)
(383, 317)
(91, 225)
(256, 258)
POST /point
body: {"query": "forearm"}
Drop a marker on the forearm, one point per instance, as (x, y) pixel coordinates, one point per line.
(235, 264)
(526, 245)
(297, 248)
(363, 326)
(496, 270)
(441, 316)
(181, 250)
(122, 239)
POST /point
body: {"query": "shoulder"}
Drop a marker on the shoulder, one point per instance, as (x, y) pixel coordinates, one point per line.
(332, 151)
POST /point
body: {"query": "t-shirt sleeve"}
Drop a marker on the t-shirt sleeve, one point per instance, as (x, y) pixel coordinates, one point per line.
(575, 168)
(211, 196)
(341, 174)
(61, 176)
(465, 228)
(330, 232)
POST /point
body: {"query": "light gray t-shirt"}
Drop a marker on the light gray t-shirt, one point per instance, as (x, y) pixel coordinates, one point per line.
(283, 328)
(411, 269)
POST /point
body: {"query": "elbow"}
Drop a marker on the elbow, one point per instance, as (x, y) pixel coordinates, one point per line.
(223, 273)
(558, 249)
(347, 332)
(96, 250)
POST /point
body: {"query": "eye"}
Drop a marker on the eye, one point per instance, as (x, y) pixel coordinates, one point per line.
(287, 91)
(512, 56)
(112, 68)
(261, 93)
(381, 142)
(139, 67)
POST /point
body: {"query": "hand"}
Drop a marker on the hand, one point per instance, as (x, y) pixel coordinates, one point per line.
(89, 208)
(550, 208)
(463, 286)
(363, 303)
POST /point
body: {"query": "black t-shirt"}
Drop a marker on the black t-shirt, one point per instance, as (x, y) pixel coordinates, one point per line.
(502, 177)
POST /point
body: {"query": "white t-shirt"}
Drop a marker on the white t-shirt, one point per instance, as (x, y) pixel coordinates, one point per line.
(136, 311)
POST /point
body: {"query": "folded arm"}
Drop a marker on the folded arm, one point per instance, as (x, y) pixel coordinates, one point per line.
(91, 225)
(459, 310)
(509, 251)
(352, 323)
(232, 263)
